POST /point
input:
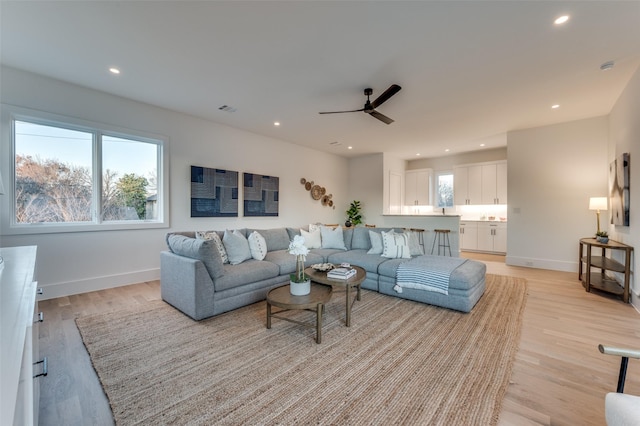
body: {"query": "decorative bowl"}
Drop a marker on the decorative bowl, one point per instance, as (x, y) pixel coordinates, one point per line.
(322, 267)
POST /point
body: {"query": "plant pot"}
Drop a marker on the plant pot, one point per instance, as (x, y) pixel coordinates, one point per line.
(300, 289)
(347, 224)
(603, 240)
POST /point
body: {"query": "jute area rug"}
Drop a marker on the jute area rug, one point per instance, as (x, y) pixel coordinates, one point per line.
(400, 362)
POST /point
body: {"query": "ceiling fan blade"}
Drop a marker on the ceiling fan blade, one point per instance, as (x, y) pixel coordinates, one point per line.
(340, 112)
(381, 117)
(392, 90)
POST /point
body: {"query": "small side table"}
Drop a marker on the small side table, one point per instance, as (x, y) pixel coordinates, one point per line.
(282, 298)
(600, 280)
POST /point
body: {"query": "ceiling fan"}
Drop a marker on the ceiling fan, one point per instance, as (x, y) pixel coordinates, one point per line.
(370, 107)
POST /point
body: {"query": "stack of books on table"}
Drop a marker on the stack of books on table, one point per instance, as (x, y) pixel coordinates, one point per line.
(341, 273)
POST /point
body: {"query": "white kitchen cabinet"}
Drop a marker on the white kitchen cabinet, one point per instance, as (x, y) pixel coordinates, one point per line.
(494, 183)
(467, 183)
(468, 236)
(492, 237)
(417, 184)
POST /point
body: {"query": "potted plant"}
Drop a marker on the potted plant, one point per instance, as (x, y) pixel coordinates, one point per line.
(300, 283)
(353, 214)
(602, 236)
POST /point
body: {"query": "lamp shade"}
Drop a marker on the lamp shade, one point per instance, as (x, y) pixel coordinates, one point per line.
(598, 203)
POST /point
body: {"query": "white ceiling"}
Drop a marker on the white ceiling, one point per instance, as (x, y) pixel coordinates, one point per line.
(469, 71)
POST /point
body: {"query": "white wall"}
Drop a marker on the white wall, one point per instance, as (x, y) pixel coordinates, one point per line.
(624, 136)
(78, 262)
(553, 170)
(366, 183)
(447, 162)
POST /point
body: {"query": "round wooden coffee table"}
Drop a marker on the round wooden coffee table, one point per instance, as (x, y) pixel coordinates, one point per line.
(355, 281)
(282, 298)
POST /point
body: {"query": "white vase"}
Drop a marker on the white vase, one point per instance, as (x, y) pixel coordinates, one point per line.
(300, 289)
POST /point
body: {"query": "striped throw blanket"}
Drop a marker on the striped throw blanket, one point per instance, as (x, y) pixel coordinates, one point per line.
(429, 273)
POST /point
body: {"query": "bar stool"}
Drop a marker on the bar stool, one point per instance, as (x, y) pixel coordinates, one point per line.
(441, 238)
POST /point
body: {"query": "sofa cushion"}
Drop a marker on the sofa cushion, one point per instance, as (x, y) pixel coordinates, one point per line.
(370, 262)
(237, 247)
(415, 249)
(395, 246)
(332, 238)
(217, 241)
(247, 272)
(202, 250)
(257, 245)
(286, 262)
(276, 238)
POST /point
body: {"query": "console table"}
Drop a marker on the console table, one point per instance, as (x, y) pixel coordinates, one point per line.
(600, 280)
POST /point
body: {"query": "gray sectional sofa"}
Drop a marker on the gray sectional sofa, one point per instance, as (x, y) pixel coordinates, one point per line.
(195, 279)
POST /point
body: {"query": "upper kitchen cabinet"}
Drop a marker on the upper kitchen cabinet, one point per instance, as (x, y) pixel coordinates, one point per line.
(417, 184)
(467, 182)
(494, 183)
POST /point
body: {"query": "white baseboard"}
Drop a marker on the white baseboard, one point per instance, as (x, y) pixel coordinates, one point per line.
(553, 265)
(51, 291)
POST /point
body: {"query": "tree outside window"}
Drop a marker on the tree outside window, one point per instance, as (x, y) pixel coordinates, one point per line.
(444, 184)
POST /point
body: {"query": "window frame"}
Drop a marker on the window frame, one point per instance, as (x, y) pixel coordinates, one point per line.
(8, 224)
(436, 185)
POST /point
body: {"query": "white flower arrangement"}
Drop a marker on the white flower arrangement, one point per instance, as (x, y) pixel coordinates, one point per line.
(298, 249)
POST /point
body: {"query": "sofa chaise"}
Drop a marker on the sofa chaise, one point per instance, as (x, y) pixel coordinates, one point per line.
(202, 274)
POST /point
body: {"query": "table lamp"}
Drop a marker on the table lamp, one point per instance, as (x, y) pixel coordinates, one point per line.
(597, 204)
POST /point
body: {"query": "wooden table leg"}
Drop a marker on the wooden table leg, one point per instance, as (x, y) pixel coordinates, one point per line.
(348, 297)
(268, 315)
(319, 323)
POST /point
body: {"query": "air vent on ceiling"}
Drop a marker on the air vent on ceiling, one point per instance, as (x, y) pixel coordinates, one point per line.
(335, 143)
(227, 108)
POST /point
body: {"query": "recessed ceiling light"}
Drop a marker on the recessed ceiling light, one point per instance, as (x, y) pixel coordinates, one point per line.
(561, 20)
(447, 150)
(276, 123)
(482, 144)
(418, 154)
(556, 106)
(607, 65)
(114, 70)
(350, 147)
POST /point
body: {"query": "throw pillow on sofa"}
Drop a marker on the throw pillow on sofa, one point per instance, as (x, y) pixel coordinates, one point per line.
(217, 242)
(395, 246)
(257, 245)
(332, 238)
(376, 243)
(237, 247)
(415, 249)
(311, 239)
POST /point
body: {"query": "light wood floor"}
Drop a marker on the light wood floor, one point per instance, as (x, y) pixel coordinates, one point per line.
(559, 376)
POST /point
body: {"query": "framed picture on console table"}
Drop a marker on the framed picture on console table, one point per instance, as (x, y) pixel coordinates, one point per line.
(619, 190)
(214, 192)
(261, 195)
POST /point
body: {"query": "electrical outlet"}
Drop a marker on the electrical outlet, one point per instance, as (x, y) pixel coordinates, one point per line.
(529, 263)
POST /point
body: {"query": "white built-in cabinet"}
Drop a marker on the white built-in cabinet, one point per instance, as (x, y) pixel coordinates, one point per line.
(417, 185)
(476, 184)
(492, 237)
(494, 183)
(21, 367)
(468, 236)
(467, 182)
(488, 237)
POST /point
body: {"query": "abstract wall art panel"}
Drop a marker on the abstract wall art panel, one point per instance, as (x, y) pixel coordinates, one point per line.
(261, 195)
(214, 192)
(619, 174)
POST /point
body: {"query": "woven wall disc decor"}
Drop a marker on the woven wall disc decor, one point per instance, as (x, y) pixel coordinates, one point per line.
(318, 193)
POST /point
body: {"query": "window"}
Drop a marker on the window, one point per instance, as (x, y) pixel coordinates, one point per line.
(75, 177)
(444, 189)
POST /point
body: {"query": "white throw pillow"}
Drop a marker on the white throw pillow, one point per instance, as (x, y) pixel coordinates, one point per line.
(395, 246)
(217, 242)
(311, 239)
(332, 238)
(237, 247)
(314, 226)
(376, 243)
(257, 245)
(415, 249)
